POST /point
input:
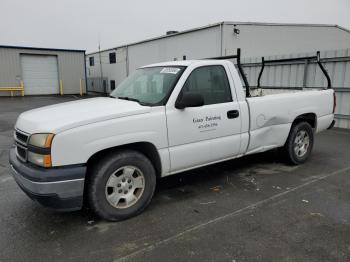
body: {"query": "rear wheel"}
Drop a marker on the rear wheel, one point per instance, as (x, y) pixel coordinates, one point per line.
(299, 143)
(121, 185)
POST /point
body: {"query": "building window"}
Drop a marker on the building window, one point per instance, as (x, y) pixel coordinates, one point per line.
(112, 85)
(112, 58)
(91, 61)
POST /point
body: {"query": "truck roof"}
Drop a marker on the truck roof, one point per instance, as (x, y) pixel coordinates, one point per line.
(185, 63)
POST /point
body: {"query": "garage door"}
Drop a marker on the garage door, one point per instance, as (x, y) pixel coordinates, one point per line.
(40, 74)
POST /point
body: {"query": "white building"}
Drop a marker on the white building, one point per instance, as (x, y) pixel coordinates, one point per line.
(255, 40)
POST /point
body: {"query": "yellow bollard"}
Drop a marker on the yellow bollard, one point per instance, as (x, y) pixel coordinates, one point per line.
(81, 87)
(22, 86)
(61, 88)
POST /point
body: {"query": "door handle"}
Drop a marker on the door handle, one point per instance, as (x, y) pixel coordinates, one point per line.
(233, 114)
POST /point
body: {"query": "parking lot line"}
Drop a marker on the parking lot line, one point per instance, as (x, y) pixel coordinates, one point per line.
(229, 215)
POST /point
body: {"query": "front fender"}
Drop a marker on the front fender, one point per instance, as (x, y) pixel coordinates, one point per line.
(76, 146)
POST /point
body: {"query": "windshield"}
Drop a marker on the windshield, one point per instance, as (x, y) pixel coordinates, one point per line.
(149, 86)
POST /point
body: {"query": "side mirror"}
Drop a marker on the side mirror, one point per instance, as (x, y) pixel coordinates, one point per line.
(189, 100)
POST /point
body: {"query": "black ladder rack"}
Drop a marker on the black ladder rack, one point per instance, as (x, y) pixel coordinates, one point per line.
(264, 62)
(306, 59)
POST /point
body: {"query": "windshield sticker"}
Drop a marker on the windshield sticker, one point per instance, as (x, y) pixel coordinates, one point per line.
(170, 70)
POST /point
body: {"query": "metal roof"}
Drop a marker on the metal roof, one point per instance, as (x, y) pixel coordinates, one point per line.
(41, 48)
(223, 23)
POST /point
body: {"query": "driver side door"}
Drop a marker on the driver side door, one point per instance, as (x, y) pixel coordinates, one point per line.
(208, 133)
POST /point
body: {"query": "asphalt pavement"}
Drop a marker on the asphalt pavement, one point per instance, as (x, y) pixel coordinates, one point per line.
(255, 208)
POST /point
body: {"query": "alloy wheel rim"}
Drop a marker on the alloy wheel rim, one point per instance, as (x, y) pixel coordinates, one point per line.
(125, 187)
(301, 143)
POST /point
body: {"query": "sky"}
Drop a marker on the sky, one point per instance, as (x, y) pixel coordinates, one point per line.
(81, 24)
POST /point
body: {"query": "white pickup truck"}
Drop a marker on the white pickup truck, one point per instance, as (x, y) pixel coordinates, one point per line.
(165, 118)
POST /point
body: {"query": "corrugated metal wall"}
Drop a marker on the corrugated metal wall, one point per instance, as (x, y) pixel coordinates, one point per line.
(298, 74)
(71, 68)
(98, 85)
(259, 39)
(116, 71)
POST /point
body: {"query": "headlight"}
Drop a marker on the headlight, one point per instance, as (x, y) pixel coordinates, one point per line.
(39, 159)
(39, 149)
(41, 140)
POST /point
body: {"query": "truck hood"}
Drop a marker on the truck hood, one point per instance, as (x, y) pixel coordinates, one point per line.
(60, 117)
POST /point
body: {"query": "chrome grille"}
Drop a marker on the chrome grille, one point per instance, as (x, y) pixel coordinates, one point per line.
(21, 152)
(21, 137)
(21, 142)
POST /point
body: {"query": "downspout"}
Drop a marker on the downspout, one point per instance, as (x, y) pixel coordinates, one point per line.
(86, 82)
(127, 60)
(221, 37)
(101, 72)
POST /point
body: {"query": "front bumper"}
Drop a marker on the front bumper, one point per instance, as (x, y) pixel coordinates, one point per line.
(60, 188)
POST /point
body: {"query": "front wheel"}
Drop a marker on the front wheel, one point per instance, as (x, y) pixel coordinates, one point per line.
(121, 185)
(299, 143)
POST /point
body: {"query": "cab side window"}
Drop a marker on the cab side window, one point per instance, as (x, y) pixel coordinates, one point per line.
(211, 82)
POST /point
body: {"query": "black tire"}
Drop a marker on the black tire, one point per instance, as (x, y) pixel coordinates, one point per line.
(100, 174)
(289, 148)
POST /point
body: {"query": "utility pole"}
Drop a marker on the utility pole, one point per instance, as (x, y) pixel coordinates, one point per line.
(101, 72)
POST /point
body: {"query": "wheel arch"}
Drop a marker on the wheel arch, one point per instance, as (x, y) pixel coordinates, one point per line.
(146, 148)
(310, 118)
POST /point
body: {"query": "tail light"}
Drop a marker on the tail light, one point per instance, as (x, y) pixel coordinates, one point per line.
(334, 102)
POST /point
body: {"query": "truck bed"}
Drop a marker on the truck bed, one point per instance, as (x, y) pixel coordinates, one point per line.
(272, 113)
